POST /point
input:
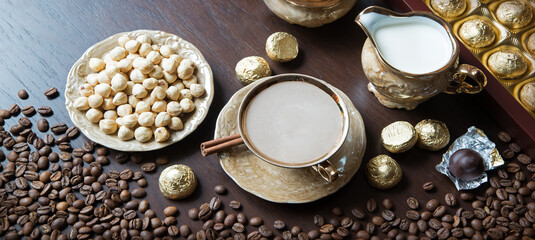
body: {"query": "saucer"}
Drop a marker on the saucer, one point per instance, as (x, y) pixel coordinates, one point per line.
(286, 185)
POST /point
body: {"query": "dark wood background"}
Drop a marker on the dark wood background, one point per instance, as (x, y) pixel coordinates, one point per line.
(40, 40)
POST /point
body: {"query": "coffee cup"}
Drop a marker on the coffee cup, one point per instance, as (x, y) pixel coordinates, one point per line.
(294, 121)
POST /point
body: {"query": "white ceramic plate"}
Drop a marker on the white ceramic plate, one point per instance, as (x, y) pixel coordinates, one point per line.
(191, 121)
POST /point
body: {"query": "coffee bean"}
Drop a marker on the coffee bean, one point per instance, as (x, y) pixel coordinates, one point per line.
(28, 111)
(148, 167)
(388, 215)
(215, 203)
(508, 153)
(515, 147)
(504, 137)
(337, 211)
(530, 167)
(170, 211)
(256, 221)
(235, 204)
(14, 110)
(360, 214)
(413, 203)
(326, 228)
(387, 203)
(320, 221)
(139, 193)
(265, 231)
(432, 204)
(412, 215)
(450, 200)
(377, 220)
(523, 158)
(5, 114)
(238, 227)
(371, 205)
(23, 94)
(51, 92)
(73, 132)
(58, 128)
(439, 211)
(193, 213)
(220, 189)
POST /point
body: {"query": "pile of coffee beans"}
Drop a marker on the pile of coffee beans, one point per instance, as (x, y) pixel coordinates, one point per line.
(67, 193)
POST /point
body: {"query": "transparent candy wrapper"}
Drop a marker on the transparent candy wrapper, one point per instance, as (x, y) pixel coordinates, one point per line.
(475, 140)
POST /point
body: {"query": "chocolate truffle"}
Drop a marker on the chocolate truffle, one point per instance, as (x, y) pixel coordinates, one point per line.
(477, 33)
(449, 8)
(252, 68)
(466, 164)
(527, 96)
(514, 14)
(433, 135)
(282, 47)
(507, 64)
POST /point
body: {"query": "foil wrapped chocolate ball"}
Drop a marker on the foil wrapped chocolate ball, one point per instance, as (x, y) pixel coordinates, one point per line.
(282, 47)
(383, 172)
(507, 64)
(252, 68)
(177, 181)
(514, 14)
(466, 164)
(398, 137)
(530, 44)
(477, 33)
(527, 96)
(433, 135)
(449, 8)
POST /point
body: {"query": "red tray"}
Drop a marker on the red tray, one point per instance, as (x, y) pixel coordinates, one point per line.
(505, 109)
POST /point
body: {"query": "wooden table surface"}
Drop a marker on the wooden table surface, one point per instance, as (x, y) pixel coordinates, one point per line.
(40, 40)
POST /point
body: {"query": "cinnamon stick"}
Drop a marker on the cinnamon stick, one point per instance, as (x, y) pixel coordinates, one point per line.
(222, 146)
(214, 142)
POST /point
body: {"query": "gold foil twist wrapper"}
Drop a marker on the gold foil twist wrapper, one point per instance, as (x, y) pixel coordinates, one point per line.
(398, 137)
(433, 135)
(514, 14)
(527, 96)
(252, 68)
(508, 63)
(177, 181)
(474, 139)
(383, 172)
(477, 33)
(282, 47)
(449, 8)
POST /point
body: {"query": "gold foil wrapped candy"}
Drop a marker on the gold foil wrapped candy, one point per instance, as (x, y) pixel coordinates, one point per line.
(398, 137)
(514, 14)
(282, 47)
(527, 96)
(507, 64)
(252, 68)
(383, 172)
(531, 43)
(449, 8)
(433, 135)
(177, 181)
(477, 33)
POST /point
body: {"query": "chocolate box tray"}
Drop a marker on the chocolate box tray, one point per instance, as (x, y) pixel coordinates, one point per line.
(496, 99)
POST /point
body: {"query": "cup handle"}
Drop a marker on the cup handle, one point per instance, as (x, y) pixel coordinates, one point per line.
(459, 85)
(326, 171)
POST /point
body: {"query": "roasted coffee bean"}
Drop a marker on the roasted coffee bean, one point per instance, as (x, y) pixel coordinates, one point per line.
(523, 158)
(49, 139)
(23, 94)
(346, 222)
(371, 205)
(256, 221)
(215, 203)
(413, 203)
(337, 211)
(385, 227)
(450, 199)
(235, 204)
(388, 215)
(148, 167)
(25, 122)
(72, 132)
(320, 221)
(58, 128)
(530, 167)
(265, 231)
(5, 114)
(412, 215)
(515, 147)
(513, 167)
(504, 137)
(279, 224)
(439, 212)
(45, 111)
(28, 111)
(377, 220)
(14, 110)
(238, 227)
(360, 214)
(193, 213)
(139, 193)
(220, 189)
(432, 204)
(370, 228)
(51, 92)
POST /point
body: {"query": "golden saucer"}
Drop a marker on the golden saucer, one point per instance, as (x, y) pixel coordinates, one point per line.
(285, 185)
(80, 70)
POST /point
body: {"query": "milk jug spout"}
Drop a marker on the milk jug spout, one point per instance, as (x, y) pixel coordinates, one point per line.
(369, 17)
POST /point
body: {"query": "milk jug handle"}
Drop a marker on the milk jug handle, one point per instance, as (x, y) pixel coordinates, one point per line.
(459, 83)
